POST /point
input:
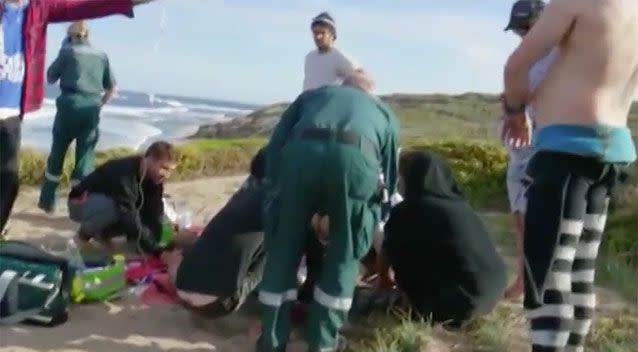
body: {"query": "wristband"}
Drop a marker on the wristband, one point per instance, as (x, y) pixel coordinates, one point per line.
(513, 110)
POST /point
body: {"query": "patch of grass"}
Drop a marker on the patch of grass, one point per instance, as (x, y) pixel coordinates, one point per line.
(478, 166)
(616, 333)
(391, 333)
(214, 144)
(494, 332)
(618, 276)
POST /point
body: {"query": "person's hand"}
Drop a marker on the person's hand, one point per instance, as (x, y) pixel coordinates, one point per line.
(516, 131)
(321, 226)
(385, 281)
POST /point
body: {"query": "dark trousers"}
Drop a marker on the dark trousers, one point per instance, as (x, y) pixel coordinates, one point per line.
(72, 123)
(567, 206)
(10, 134)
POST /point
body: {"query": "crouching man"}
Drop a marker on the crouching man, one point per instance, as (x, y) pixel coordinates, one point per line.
(123, 197)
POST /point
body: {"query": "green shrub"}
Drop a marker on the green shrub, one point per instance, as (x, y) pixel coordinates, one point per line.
(479, 167)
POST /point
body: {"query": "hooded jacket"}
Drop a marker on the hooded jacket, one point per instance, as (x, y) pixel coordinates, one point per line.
(438, 246)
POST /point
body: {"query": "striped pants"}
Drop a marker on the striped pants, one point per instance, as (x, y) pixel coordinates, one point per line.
(567, 206)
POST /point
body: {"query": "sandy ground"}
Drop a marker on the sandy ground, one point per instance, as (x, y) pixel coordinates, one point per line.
(129, 325)
(125, 324)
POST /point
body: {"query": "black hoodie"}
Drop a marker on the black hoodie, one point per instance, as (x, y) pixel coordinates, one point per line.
(442, 255)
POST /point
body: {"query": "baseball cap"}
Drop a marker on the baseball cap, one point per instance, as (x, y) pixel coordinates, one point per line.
(524, 12)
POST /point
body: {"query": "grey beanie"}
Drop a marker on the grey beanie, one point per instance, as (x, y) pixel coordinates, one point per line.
(325, 19)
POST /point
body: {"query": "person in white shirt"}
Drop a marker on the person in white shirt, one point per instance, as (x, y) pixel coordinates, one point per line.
(326, 65)
(523, 16)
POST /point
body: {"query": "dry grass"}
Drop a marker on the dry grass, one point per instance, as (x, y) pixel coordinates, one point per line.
(503, 330)
(390, 333)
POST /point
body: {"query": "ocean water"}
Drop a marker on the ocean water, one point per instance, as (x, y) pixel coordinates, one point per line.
(135, 119)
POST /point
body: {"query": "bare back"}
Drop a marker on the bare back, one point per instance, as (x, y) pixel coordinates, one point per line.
(595, 76)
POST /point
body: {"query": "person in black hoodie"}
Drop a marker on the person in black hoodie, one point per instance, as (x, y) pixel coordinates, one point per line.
(124, 197)
(443, 259)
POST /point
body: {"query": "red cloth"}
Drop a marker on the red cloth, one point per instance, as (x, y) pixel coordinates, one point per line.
(160, 291)
(38, 15)
(139, 269)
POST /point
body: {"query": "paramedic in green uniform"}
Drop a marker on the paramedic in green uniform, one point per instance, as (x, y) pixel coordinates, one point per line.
(327, 154)
(87, 84)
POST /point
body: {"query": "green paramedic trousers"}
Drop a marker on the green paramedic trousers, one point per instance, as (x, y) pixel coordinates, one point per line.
(316, 176)
(77, 118)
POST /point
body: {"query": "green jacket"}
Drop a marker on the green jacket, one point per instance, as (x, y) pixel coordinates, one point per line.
(81, 69)
(340, 108)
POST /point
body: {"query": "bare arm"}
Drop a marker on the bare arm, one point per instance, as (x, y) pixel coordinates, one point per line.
(108, 94)
(306, 81)
(108, 82)
(347, 65)
(550, 29)
(382, 266)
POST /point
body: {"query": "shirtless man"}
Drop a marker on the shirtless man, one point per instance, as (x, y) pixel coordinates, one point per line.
(582, 142)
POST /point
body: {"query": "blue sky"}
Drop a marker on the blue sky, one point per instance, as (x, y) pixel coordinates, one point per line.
(253, 50)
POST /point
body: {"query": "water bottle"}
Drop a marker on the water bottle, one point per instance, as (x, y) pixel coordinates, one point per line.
(73, 255)
(302, 272)
(184, 217)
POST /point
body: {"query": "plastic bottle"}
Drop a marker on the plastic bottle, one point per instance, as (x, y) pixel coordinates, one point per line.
(73, 255)
(302, 272)
(184, 217)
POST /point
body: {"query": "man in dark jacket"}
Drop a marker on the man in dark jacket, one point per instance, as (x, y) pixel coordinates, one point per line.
(124, 197)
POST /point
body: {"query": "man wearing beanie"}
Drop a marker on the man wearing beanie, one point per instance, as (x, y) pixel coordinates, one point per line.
(326, 65)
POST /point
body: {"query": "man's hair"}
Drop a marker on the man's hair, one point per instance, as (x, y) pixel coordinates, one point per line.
(324, 19)
(161, 150)
(78, 29)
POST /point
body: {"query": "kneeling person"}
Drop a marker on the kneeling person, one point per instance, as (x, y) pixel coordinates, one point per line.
(443, 259)
(123, 197)
(217, 274)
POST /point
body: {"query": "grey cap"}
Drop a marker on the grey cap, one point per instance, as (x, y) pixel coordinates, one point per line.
(524, 13)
